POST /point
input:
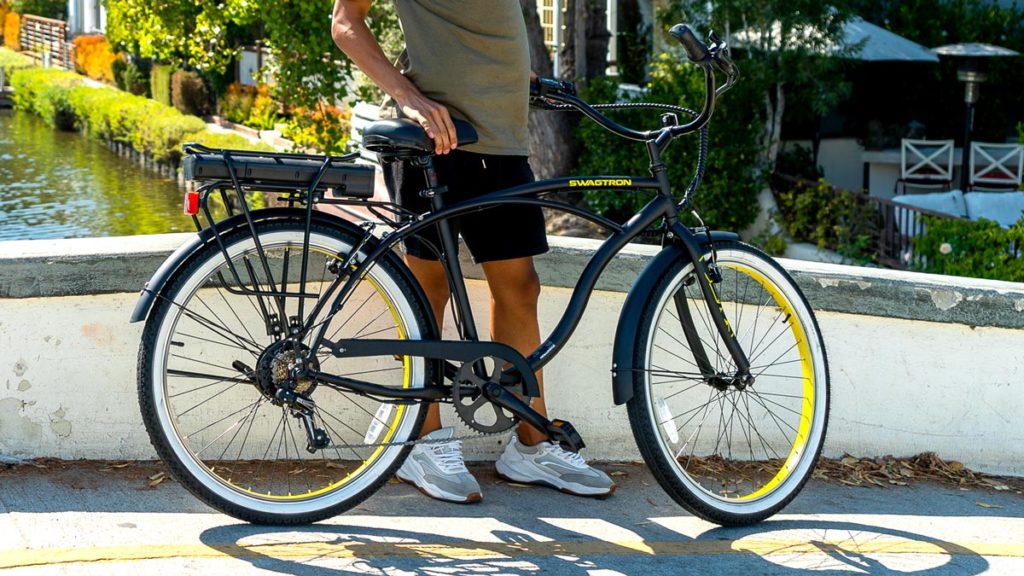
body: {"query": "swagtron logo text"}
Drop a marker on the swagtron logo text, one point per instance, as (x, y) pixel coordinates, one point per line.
(615, 182)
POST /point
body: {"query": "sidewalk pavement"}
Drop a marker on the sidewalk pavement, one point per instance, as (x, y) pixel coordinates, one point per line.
(91, 518)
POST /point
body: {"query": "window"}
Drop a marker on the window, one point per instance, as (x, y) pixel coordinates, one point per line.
(546, 10)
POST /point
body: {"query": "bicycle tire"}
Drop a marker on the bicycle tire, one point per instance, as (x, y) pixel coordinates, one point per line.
(766, 437)
(221, 435)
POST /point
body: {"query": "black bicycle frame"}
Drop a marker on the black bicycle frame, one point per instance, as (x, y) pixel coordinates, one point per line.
(661, 206)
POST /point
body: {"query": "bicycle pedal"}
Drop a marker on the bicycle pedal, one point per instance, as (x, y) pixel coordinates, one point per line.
(566, 435)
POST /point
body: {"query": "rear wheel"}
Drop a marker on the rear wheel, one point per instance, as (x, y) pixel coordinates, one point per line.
(212, 366)
(730, 452)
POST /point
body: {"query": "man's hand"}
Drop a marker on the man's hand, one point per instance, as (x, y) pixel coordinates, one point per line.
(434, 118)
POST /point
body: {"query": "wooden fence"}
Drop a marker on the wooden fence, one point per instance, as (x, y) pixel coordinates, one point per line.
(46, 38)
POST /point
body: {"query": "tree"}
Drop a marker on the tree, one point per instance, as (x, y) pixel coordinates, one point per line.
(44, 8)
(208, 36)
(789, 46)
(553, 150)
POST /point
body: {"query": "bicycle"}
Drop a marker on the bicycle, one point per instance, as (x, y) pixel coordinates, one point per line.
(281, 325)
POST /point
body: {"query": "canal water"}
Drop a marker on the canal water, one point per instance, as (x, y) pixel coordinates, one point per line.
(57, 184)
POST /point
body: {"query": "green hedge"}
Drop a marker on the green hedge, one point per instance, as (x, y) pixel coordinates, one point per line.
(46, 92)
(829, 217)
(226, 140)
(977, 249)
(11, 61)
(62, 99)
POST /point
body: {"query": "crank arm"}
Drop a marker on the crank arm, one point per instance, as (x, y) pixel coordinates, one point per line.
(557, 430)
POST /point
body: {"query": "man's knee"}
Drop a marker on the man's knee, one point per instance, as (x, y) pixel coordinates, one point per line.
(523, 286)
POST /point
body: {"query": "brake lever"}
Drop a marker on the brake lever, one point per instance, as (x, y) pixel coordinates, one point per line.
(721, 59)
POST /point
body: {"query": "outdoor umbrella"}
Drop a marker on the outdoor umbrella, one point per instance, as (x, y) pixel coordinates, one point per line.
(861, 41)
(876, 43)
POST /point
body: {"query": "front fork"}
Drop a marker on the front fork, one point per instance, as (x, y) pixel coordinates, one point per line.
(707, 275)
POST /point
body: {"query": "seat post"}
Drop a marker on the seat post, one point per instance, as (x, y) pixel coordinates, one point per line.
(449, 250)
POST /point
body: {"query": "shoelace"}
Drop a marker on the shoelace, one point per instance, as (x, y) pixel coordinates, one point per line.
(572, 458)
(449, 457)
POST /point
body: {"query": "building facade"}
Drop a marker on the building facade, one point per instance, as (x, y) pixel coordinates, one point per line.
(86, 17)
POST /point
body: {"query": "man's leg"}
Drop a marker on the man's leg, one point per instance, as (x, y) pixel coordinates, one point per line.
(515, 289)
(432, 277)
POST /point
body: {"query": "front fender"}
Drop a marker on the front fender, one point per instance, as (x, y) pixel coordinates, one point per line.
(629, 320)
(181, 256)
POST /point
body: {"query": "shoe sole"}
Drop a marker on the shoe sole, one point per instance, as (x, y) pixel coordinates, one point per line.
(471, 498)
(546, 484)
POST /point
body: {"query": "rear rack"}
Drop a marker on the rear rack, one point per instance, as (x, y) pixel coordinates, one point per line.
(299, 180)
(279, 171)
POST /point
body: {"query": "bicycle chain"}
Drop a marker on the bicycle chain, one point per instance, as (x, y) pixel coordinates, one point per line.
(475, 436)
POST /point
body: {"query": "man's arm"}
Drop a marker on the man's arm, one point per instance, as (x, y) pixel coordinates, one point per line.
(351, 34)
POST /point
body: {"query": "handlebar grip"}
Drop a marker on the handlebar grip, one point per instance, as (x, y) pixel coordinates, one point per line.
(544, 86)
(695, 49)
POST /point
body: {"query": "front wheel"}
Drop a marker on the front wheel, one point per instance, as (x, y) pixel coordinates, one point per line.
(731, 452)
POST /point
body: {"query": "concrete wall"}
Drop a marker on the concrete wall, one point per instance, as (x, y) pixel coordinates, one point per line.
(918, 362)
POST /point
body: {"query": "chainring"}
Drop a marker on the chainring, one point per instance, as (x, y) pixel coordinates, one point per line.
(475, 409)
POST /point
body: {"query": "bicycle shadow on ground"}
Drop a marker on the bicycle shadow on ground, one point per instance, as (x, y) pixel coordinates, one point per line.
(770, 548)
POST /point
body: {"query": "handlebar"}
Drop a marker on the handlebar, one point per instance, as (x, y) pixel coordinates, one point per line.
(551, 93)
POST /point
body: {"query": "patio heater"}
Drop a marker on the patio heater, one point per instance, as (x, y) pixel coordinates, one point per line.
(972, 59)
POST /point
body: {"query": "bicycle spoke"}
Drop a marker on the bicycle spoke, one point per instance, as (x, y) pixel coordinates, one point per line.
(763, 440)
(226, 430)
(197, 361)
(226, 344)
(779, 423)
(203, 387)
(233, 384)
(708, 324)
(204, 376)
(235, 314)
(250, 417)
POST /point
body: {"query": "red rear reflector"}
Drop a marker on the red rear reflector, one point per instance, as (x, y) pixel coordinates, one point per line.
(191, 203)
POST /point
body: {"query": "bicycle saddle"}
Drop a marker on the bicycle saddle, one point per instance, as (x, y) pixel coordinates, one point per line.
(390, 136)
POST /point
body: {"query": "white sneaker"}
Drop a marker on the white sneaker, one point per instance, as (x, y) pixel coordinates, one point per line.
(438, 470)
(549, 465)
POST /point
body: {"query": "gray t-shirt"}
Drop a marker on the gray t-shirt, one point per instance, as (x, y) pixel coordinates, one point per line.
(473, 57)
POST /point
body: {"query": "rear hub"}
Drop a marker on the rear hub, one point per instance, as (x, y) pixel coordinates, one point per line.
(279, 363)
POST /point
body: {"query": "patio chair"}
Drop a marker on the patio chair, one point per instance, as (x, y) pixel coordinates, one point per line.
(925, 164)
(996, 167)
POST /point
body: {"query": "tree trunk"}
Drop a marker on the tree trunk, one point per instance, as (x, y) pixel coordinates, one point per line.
(579, 39)
(773, 128)
(567, 51)
(770, 144)
(597, 39)
(552, 149)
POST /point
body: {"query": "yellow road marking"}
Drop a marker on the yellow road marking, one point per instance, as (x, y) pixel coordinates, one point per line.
(489, 550)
